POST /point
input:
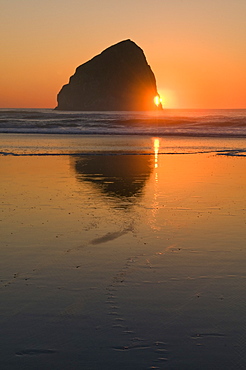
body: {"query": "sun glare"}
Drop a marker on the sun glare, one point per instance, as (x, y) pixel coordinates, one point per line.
(157, 100)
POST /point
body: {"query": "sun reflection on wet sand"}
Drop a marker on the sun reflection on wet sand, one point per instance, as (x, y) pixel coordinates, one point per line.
(155, 204)
(156, 150)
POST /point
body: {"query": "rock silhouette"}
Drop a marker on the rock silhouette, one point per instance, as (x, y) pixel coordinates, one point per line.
(118, 79)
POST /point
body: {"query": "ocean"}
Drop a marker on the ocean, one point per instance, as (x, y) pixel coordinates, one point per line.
(74, 128)
(179, 122)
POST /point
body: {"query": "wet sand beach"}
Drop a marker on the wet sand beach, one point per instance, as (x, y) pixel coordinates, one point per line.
(128, 256)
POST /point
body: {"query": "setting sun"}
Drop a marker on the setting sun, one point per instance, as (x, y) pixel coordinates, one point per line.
(157, 100)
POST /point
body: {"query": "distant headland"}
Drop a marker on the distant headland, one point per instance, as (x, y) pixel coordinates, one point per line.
(118, 79)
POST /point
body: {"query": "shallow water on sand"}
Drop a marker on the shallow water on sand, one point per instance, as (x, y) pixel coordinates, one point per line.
(123, 261)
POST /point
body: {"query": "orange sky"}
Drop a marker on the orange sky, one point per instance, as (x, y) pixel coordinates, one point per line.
(195, 48)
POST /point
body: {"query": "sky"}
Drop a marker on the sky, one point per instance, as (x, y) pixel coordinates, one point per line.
(196, 48)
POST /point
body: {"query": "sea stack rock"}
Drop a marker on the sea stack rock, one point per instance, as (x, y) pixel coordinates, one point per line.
(118, 79)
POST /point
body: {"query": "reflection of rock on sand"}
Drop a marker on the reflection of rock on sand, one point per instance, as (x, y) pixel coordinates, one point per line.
(122, 176)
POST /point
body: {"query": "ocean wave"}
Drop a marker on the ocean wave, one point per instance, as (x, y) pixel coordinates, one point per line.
(207, 123)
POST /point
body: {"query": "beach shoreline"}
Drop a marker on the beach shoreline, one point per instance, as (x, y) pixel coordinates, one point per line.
(126, 261)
